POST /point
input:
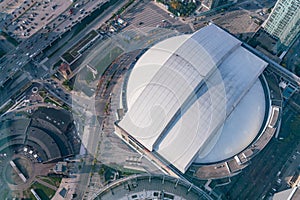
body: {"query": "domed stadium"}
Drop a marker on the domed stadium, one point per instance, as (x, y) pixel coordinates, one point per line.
(195, 99)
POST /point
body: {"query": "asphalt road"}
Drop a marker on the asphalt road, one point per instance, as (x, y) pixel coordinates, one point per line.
(17, 58)
(94, 25)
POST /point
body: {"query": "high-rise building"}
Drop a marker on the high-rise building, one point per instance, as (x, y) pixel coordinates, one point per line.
(284, 22)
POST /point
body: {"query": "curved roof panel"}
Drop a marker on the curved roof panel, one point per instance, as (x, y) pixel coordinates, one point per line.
(252, 107)
(179, 109)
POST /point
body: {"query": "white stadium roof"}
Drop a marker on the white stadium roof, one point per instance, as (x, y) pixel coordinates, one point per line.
(186, 98)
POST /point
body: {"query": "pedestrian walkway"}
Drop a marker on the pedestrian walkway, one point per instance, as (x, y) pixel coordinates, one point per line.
(46, 184)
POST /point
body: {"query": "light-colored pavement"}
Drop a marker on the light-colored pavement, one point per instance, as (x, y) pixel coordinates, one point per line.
(69, 184)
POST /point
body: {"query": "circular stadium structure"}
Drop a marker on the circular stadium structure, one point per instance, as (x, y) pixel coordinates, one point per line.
(150, 187)
(32, 144)
(198, 98)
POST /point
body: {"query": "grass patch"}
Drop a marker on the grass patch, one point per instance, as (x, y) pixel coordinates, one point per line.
(55, 181)
(43, 94)
(68, 85)
(52, 101)
(74, 52)
(66, 107)
(107, 171)
(128, 172)
(44, 192)
(83, 42)
(69, 57)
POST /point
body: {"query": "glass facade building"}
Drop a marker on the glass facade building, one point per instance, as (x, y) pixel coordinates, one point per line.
(284, 22)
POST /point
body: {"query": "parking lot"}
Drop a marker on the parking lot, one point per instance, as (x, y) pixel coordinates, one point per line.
(11, 9)
(35, 44)
(30, 16)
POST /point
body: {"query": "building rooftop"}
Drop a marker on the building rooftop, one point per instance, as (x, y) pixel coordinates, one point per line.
(289, 194)
(189, 96)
